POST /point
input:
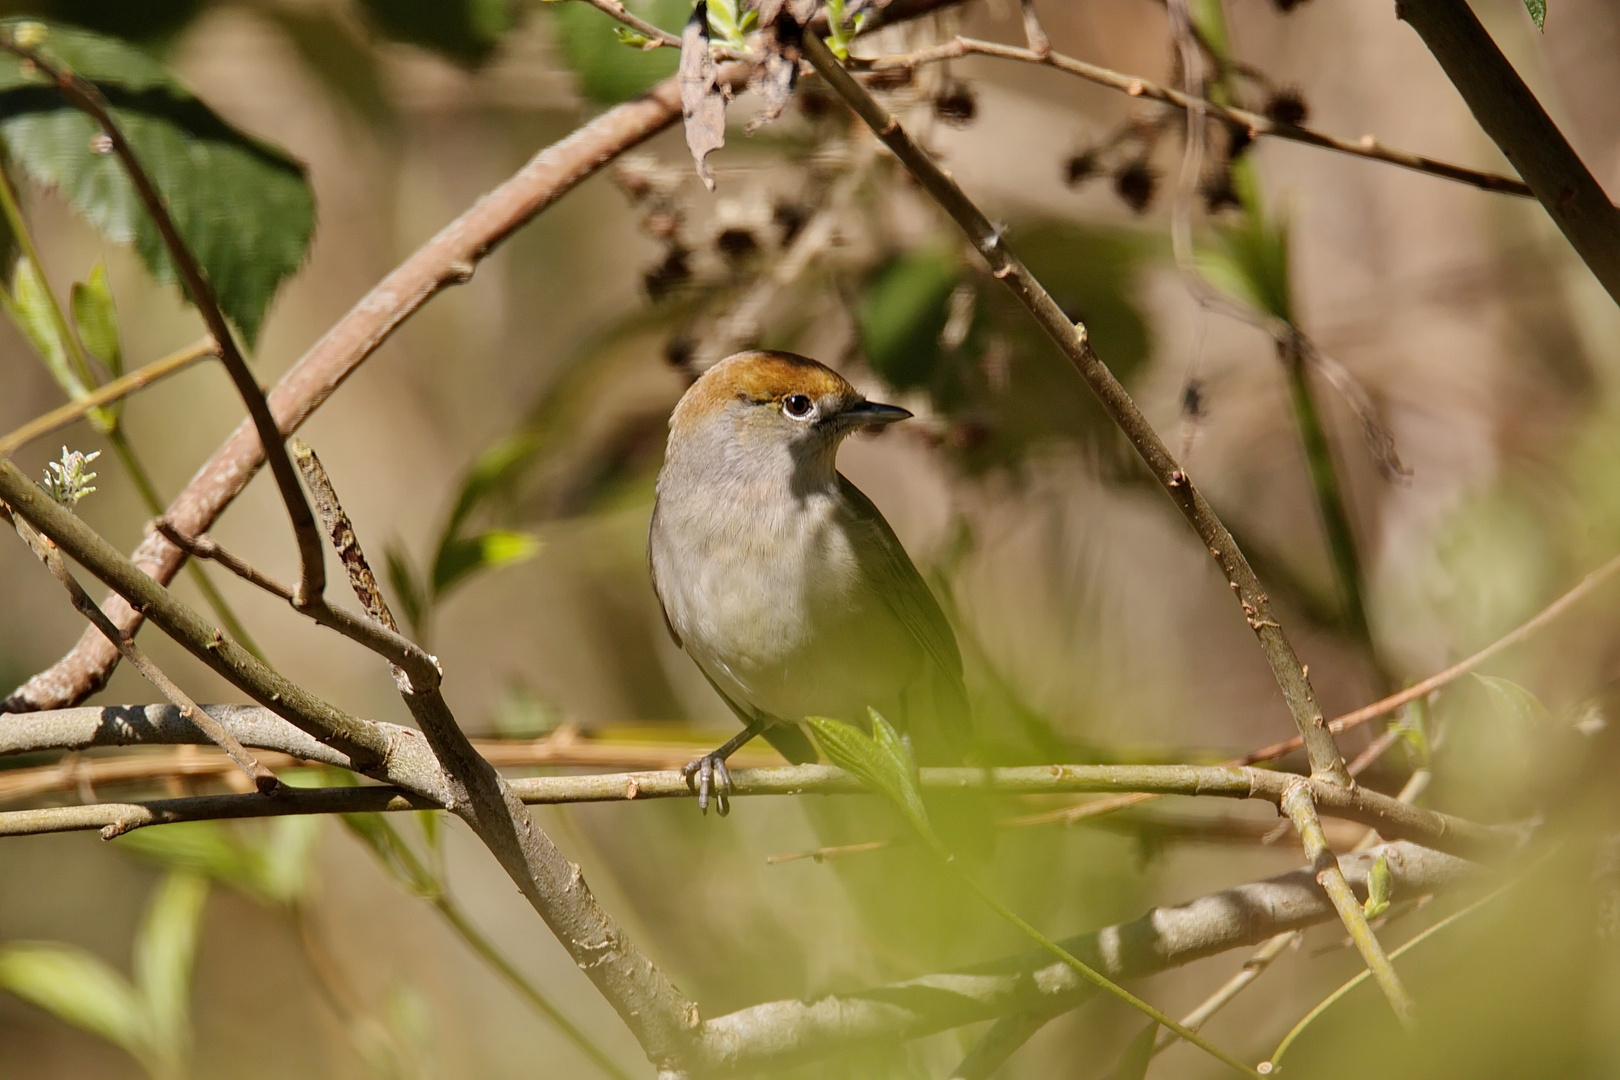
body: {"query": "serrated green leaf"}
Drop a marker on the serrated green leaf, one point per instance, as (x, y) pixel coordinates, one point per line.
(1133, 1064)
(1513, 702)
(30, 308)
(79, 988)
(1538, 12)
(165, 947)
(489, 550)
(879, 760)
(244, 207)
(1380, 886)
(96, 319)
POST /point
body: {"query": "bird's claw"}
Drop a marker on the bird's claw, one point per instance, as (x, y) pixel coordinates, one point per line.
(711, 778)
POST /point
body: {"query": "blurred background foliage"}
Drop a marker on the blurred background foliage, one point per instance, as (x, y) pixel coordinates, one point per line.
(501, 450)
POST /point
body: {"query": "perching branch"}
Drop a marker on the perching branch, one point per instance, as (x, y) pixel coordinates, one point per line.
(1513, 118)
(1325, 759)
(84, 96)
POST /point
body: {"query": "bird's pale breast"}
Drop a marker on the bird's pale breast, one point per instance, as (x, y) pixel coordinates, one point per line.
(776, 607)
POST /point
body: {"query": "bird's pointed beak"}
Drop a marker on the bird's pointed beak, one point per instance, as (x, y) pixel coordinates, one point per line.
(874, 413)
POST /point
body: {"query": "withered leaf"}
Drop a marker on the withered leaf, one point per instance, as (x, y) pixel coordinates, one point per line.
(702, 103)
(775, 75)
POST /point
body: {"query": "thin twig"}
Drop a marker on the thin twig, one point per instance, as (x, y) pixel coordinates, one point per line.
(1263, 957)
(636, 23)
(388, 643)
(263, 779)
(1039, 43)
(84, 96)
(1297, 804)
(1255, 123)
(651, 1006)
(1072, 338)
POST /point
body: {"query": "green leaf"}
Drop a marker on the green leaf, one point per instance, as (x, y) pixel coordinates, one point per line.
(207, 848)
(1513, 702)
(244, 207)
(879, 760)
(1380, 885)
(466, 31)
(593, 48)
(77, 987)
(1133, 1064)
(165, 947)
(96, 319)
(901, 315)
(1252, 262)
(488, 550)
(31, 309)
(393, 852)
(1538, 12)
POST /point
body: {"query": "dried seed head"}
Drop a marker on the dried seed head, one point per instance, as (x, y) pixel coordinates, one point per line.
(789, 218)
(1219, 194)
(894, 78)
(956, 104)
(1136, 183)
(664, 278)
(1288, 106)
(814, 102)
(736, 243)
(1082, 167)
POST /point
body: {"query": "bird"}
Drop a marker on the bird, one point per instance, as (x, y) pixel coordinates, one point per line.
(782, 581)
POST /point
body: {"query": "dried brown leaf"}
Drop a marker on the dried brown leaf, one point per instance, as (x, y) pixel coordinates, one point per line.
(702, 103)
(775, 75)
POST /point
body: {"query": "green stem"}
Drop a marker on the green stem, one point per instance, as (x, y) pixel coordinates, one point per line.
(492, 956)
(1085, 971)
(1330, 502)
(154, 505)
(415, 874)
(1328, 1002)
(11, 208)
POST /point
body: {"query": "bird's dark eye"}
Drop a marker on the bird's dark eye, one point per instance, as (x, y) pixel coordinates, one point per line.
(797, 405)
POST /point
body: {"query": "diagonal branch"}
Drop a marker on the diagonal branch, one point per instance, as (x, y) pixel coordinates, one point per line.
(84, 96)
(1072, 338)
(1513, 118)
(650, 1005)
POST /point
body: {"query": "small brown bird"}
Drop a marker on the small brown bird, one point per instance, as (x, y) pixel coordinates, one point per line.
(781, 580)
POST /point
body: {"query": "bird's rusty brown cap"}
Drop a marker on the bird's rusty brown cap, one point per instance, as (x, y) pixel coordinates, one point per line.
(759, 376)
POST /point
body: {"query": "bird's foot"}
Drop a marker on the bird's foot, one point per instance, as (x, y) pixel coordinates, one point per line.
(709, 776)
